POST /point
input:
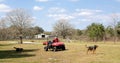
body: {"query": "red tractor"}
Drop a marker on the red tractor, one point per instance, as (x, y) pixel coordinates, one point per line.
(54, 46)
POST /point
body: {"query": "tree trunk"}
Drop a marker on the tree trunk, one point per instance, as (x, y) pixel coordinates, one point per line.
(115, 35)
(21, 40)
(64, 36)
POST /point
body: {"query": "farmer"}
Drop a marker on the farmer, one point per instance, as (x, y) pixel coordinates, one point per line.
(49, 45)
(55, 39)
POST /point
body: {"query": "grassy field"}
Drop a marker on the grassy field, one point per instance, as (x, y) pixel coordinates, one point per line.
(75, 53)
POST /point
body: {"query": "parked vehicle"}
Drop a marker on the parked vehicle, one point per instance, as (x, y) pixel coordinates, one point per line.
(54, 46)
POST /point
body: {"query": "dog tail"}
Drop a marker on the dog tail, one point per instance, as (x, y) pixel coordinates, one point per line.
(14, 47)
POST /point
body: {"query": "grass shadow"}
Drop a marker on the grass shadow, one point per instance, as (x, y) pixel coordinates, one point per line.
(63, 50)
(59, 50)
(5, 54)
(5, 44)
(30, 50)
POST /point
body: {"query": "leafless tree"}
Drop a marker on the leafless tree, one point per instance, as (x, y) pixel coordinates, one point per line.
(63, 28)
(3, 30)
(115, 19)
(20, 19)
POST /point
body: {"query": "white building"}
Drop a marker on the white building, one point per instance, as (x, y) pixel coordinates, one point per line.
(41, 36)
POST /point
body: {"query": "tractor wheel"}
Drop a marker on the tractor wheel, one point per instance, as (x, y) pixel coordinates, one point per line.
(54, 49)
(46, 48)
(63, 47)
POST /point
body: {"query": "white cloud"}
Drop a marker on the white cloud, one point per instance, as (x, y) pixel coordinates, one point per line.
(61, 16)
(37, 8)
(58, 13)
(86, 12)
(81, 16)
(42, 0)
(34, 18)
(84, 15)
(89, 10)
(4, 8)
(56, 10)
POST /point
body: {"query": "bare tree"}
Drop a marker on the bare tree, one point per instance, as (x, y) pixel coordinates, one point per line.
(3, 30)
(20, 19)
(115, 18)
(63, 28)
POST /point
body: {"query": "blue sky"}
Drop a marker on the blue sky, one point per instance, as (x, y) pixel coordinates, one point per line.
(80, 13)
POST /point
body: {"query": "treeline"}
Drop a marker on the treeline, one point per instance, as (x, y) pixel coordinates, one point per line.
(17, 24)
(97, 32)
(10, 33)
(94, 32)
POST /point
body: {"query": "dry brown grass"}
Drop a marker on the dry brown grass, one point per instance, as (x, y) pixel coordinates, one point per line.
(74, 53)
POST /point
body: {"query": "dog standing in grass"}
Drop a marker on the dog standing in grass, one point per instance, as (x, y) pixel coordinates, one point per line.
(91, 48)
(18, 49)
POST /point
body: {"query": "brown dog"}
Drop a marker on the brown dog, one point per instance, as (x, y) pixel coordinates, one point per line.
(91, 48)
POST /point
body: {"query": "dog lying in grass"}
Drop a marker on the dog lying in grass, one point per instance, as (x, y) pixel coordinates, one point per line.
(18, 49)
(91, 48)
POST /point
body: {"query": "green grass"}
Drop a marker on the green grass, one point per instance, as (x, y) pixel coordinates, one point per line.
(75, 53)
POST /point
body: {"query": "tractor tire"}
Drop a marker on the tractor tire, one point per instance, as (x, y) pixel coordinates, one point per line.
(55, 49)
(46, 48)
(63, 47)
